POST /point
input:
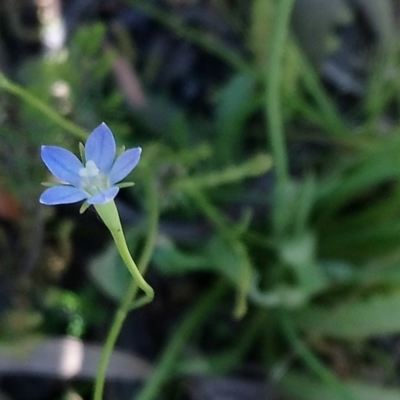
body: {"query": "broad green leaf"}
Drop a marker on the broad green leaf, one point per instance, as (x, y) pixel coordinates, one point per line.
(360, 318)
(302, 387)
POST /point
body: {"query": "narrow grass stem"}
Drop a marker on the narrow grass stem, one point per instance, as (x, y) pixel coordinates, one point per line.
(224, 228)
(42, 107)
(193, 35)
(190, 323)
(227, 360)
(310, 359)
(273, 83)
(108, 212)
(131, 292)
(327, 112)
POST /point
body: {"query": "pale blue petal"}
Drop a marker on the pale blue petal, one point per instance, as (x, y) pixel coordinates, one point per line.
(62, 195)
(104, 196)
(62, 164)
(124, 164)
(100, 148)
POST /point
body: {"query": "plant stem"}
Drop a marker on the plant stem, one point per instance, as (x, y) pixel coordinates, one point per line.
(231, 236)
(273, 83)
(193, 319)
(208, 42)
(130, 294)
(42, 107)
(309, 358)
(108, 212)
(327, 111)
(227, 360)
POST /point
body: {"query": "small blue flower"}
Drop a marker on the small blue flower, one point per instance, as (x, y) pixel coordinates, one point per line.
(95, 180)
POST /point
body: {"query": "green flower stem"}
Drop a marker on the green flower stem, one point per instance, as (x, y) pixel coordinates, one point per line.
(131, 292)
(108, 212)
(283, 10)
(165, 366)
(42, 107)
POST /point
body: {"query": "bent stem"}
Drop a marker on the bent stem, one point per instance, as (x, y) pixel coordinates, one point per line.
(130, 294)
(108, 212)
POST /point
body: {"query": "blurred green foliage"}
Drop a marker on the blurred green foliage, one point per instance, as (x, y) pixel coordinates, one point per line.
(317, 261)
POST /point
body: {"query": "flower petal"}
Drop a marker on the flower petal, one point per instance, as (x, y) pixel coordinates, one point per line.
(104, 196)
(62, 164)
(62, 195)
(124, 164)
(100, 148)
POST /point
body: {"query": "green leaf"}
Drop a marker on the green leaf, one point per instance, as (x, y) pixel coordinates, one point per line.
(360, 318)
(366, 172)
(169, 259)
(255, 166)
(231, 258)
(299, 254)
(225, 259)
(235, 105)
(302, 386)
(359, 244)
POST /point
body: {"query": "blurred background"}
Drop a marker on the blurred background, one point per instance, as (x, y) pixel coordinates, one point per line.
(266, 207)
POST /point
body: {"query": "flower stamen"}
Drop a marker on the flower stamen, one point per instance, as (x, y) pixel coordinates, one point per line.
(90, 170)
(92, 180)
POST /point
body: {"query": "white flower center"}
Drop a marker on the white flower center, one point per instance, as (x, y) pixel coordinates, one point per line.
(90, 171)
(92, 180)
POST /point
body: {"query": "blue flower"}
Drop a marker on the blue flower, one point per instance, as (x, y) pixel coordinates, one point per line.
(96, 179)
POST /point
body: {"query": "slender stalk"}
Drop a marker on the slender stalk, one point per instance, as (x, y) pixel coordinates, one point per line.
(231, 236)
(273, 84)
(201, 39)
(42, 107)
(327, 111)
(108, 212)
(192, 321)
(228, 360)
(131, 292)
(310, 359)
